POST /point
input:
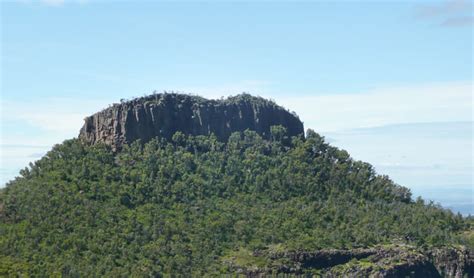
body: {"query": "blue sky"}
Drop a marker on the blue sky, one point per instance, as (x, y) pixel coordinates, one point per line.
(391, 82)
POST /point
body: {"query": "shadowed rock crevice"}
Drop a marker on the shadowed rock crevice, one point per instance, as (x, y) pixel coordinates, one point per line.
(161, 115)
(387, 261)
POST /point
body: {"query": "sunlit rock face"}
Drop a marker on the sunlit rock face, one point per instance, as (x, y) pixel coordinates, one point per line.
(161, 115)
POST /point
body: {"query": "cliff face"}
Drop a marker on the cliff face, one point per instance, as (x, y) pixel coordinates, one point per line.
(389, 261)
(161, 115)
(453, 262)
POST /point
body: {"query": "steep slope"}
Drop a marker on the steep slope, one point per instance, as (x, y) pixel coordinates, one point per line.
(200, 205)
(164, 114)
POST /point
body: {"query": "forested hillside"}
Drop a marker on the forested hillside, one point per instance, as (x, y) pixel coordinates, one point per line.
(196, 206)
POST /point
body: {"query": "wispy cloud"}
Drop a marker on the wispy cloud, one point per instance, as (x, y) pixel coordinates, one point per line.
(451, 13)
(63, 117)
(36, 155)
(438, 102)
(458, 22)
(433, 155)
(444, 8)
(408, 153)
(52, 120)
(13, 158)
(30, 128)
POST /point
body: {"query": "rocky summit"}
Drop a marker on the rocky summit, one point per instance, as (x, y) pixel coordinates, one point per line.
(173, 185)
(161, 115)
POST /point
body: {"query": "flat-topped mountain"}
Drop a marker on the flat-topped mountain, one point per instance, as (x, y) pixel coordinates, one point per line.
(261, 200)
(161, 115)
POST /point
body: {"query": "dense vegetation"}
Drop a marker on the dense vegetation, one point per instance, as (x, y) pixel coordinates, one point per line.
(182, 206)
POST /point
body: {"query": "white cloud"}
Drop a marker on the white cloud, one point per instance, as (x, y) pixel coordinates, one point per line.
(441, 102)
(31, 128)
(458, 21)
(429, 158)
(451, 13)
(444, 8)
(56, 118)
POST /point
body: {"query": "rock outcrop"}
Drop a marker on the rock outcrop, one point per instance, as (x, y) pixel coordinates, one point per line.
(456, 262)
(377, 262)
(161, 115)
